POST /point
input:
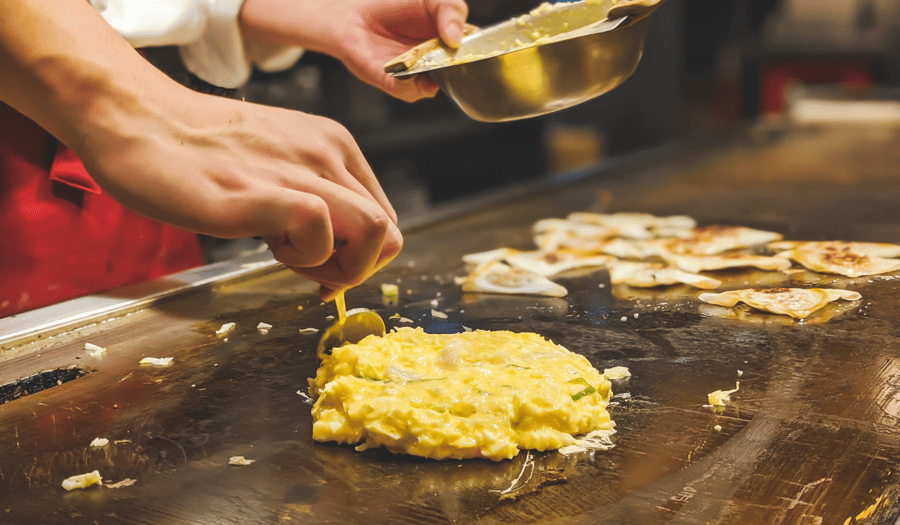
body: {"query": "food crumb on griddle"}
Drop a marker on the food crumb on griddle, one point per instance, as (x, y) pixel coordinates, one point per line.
(94, 350)
(240, 461)
(83, 481)
(157, 361)
(721, 398)
(127, 482)
(225, 328)
(390, 292)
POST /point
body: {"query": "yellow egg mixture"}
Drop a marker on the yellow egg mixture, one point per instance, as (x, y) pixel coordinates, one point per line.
(474, 394)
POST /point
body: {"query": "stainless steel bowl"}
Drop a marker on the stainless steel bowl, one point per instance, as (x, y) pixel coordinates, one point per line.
(539, 63)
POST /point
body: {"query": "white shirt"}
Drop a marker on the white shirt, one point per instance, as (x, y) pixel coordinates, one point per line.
(206, 33)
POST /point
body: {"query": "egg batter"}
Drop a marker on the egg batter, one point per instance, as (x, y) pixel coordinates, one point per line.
(474, 394)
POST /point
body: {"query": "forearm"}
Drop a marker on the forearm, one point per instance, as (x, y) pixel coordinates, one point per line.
(287, 22)
(212, 165)
(66, 69)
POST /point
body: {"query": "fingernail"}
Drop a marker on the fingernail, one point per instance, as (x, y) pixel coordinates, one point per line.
(394, 232)
(453, 34)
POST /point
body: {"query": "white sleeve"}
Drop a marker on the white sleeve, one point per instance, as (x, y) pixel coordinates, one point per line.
(205, 31)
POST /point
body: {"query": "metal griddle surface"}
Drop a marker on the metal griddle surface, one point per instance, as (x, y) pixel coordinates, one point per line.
(813, 438)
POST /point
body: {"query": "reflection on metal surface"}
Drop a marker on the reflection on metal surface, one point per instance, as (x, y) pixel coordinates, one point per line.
(526, 77)
(45, 322)
(556, 57)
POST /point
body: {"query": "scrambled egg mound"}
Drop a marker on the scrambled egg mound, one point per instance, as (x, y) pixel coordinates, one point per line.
(474, 394)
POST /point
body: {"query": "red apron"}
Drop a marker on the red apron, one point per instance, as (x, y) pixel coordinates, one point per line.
(61, 236)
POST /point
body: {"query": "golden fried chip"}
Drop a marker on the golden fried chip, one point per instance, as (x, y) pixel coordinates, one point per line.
(798, 303)
(648, 275)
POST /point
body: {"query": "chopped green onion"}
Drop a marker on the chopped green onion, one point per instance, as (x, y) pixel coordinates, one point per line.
(586, 392)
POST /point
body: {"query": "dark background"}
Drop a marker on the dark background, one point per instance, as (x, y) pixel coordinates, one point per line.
(708, 66)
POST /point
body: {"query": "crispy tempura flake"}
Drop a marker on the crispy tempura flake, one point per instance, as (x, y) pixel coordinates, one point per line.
(721, 398)
(83, 481)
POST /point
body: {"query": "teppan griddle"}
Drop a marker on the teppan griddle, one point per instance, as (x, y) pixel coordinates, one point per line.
(812, 438)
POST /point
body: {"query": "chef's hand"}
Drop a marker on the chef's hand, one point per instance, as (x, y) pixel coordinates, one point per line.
(233, 169)
(363, 34)
(208, 164)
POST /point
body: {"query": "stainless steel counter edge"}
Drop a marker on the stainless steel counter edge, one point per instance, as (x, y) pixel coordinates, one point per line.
(44, 322)
(32, 326)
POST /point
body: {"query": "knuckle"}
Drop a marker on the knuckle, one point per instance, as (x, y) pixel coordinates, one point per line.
(228, 213)
(357, 279)
(300, 259)
(432, 5)
(327, 165)
(395, 246)
(334, 129)
(317, 256)
(375, 224)
(315, 211)
(280, 255)
(343, 135)
(326, 156)
(314, 238)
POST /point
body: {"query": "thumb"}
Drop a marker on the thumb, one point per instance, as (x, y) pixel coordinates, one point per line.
(450, 18)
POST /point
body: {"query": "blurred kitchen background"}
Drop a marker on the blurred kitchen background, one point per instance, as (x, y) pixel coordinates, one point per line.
(709, 66)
